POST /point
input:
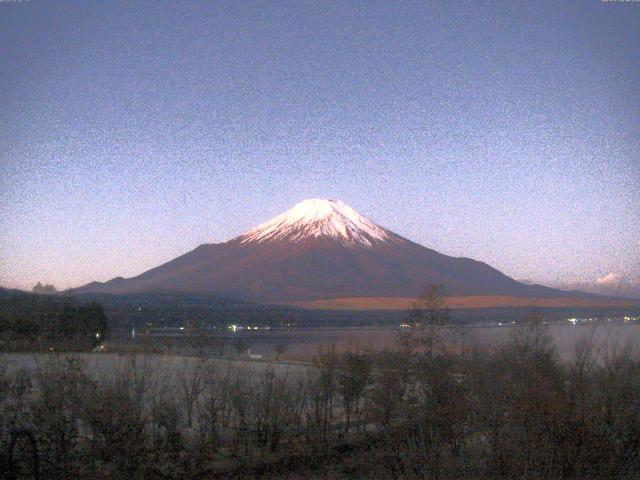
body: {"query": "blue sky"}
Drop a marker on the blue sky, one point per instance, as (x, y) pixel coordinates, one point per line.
(508, 132)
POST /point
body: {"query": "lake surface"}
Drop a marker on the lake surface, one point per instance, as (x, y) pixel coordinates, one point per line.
(304, 343)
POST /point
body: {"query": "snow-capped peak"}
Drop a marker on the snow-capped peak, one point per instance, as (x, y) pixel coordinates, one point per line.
(318, 218)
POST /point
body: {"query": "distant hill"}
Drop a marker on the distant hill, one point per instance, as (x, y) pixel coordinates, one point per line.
(170, 309)
(173, 309)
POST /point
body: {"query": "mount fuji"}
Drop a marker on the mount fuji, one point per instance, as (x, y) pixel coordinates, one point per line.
(323, 251)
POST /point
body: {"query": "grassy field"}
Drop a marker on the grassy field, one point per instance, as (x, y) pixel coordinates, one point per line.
(488, 301)
(168, 368)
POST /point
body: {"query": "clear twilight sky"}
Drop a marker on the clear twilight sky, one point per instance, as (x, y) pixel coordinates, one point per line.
(509, 132)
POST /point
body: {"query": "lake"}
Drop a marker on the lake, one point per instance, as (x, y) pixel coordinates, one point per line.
(304, 343)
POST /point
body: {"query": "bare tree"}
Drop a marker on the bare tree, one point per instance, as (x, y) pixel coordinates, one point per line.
(429, 315)
(191, 386)
(280, 349)
(353, 377)
(241, 345)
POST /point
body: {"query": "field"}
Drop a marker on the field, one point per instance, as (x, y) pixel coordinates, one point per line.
(487, 301)
(103, 367)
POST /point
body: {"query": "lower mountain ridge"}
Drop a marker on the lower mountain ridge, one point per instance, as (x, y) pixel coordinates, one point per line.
(319, 250)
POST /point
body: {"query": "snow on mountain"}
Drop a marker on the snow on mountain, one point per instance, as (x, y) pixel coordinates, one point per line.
(318, 218)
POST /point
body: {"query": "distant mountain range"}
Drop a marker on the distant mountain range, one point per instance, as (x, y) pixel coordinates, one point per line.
(157, 310)
(324, 251)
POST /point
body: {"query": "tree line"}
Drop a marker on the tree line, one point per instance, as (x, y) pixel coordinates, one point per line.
(36, 322)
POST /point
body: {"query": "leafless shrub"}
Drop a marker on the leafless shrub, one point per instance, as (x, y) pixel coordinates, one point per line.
(353, 378)
(116, 426)
(62, 387)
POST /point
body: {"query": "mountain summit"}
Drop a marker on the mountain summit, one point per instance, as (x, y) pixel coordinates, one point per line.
(316, 218)
(320, 250)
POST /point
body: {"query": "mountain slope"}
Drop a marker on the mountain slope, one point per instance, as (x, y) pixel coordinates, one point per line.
(320, 249)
